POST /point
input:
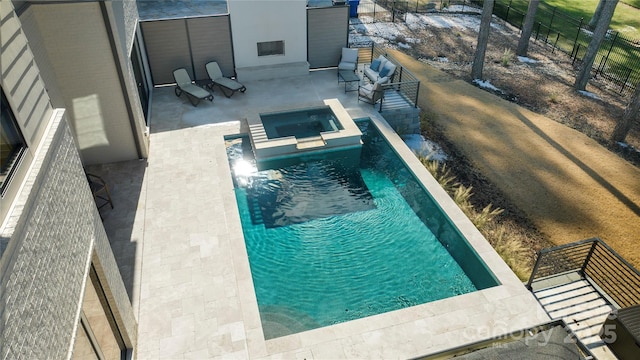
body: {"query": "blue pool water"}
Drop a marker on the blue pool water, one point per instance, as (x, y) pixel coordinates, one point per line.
(331, 240)
(301, 123)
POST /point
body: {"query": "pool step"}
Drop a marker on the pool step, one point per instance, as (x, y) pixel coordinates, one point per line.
(255, 211)
(309, 143)
(258, 134)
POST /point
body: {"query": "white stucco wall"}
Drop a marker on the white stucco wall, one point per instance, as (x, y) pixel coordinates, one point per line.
(77, 45)
(254, 21)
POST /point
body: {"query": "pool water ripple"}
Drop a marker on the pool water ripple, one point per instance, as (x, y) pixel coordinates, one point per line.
(329, 244)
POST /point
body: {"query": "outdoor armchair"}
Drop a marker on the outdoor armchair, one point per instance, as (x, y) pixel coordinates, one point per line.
(184, 84)
(224, 83)
(349, 59)
(371, 93)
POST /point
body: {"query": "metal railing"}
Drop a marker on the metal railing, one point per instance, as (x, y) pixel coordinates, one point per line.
(593, 260)
(403, 83)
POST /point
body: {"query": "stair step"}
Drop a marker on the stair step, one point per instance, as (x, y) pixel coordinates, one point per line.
(310, 143)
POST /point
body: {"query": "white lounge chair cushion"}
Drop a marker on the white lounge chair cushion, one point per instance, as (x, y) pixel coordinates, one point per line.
(346, 66)
(217, 78)
(368, 90)
(349, 55)
(228, 83)
(184, 83)
(195, 90)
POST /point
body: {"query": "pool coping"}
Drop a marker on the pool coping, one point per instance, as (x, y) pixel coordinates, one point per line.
(411, 332)
(266, 149)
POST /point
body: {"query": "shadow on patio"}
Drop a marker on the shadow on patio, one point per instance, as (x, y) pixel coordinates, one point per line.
(174, 149)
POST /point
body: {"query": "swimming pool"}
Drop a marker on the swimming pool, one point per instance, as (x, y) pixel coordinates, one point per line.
(330, 240)
(289, 133)
(300, 124)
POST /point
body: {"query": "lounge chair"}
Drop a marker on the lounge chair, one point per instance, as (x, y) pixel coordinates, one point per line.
(349, 60)
(184, 84)
(224, 83)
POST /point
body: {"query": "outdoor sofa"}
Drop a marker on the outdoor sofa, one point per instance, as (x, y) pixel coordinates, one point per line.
(380, 68)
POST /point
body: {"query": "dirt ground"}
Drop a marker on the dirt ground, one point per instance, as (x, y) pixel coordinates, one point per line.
(562, 186)
(545, 87)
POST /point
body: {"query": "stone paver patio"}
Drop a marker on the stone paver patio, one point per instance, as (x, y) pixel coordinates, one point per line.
(176, 234)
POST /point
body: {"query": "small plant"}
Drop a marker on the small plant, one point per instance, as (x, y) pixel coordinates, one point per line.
(509, 245)
(512, 251)
(554, 98)
(444, 5)
(484, 217)
(461, 196)
(506, 57)
(441, 173)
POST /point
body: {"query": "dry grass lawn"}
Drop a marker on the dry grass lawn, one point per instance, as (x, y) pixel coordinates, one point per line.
(556, 185)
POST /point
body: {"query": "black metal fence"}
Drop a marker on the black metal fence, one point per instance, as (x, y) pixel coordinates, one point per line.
(426, 6)
(396, 10)
(383, 11)
(618, 59)
(596, 261)
(618, 62)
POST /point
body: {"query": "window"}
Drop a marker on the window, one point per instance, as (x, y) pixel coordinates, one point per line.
(97, 336)
(141, 79)
(12, 145)
(271, 48)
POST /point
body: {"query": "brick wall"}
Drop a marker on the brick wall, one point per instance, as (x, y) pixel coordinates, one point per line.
(403, 121)
(50, 226)
(51, 236)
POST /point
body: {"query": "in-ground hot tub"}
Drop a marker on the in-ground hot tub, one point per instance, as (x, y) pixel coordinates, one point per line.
(281, 135)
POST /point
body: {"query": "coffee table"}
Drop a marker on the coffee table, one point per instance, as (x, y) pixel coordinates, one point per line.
(350, 79)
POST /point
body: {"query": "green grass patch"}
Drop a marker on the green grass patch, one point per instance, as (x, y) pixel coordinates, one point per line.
(626, 19)
(558, 21)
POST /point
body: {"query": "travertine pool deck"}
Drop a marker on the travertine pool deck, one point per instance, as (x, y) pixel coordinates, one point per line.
(177, 237)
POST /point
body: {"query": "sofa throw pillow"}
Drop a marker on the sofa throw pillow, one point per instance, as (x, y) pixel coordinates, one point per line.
(375, 65)
(383, 61)
(384, 71)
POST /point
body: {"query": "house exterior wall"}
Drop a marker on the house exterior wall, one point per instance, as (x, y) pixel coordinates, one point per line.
(52, 235)
(36, 44)
(87, 58)
(25, 93)
(124, 21)
(50, 230)
(276, 20)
